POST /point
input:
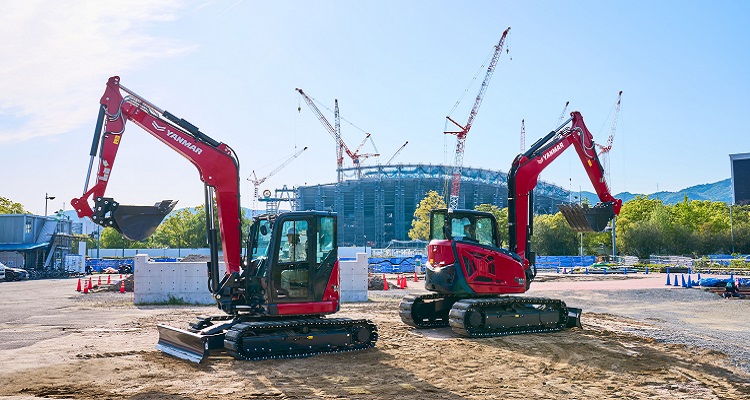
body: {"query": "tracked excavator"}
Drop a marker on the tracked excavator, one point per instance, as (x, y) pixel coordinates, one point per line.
(475, 282)
(275, 297)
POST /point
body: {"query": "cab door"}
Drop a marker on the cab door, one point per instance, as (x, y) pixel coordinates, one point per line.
(291, 271)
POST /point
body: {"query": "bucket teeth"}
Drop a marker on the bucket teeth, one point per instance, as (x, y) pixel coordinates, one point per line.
(133, 222)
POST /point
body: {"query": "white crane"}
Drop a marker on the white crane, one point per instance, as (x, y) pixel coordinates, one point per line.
(258, 181)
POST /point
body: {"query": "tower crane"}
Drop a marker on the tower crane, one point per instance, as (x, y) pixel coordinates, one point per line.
(341, 147)
(604, 149)
(563, 113)
(396, 153)
(464, 130)
(259, 181)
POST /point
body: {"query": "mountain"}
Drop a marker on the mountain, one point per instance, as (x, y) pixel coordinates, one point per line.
(719, 191)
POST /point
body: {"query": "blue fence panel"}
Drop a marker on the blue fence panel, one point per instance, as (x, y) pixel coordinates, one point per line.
(98, 264)
(554, 262)
(394, 265)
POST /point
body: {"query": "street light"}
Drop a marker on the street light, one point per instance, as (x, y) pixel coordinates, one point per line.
(46, 198)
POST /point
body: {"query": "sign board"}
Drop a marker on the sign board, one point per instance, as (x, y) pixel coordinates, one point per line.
(740, 178)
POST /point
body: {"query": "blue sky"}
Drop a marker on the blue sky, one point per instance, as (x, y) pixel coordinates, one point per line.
(396, 68)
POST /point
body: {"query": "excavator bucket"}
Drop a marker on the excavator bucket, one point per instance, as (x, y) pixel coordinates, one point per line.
(587, 219)
(135, 223)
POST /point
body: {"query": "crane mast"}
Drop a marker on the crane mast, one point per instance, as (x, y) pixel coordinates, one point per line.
(341, 147)
(604, 149)
(464, 130)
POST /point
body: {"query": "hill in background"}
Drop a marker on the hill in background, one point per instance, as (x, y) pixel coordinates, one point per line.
(719, 191)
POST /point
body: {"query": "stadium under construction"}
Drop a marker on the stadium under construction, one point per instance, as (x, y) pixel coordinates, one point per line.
(376, 204)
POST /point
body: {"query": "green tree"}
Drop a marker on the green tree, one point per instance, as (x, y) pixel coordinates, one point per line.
(186, 228)
(420, 225)
(501, 216)
(553, 236)
(8, 206)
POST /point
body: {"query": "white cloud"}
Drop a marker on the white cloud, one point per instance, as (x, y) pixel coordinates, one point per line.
(56, 54)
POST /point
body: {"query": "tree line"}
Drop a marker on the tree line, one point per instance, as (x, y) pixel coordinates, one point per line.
(645, 226)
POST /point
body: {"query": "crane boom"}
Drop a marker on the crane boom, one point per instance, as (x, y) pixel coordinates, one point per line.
(341, 146)
(396, 153)
(258, 181)
(464, 130)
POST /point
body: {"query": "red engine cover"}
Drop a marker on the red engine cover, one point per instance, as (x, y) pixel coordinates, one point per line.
(484, 269)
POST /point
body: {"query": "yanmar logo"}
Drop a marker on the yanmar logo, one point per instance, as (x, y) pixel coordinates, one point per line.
(550, 153)
(177, 138)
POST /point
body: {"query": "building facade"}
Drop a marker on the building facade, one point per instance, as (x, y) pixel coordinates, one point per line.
(33, 242)
(376, 204)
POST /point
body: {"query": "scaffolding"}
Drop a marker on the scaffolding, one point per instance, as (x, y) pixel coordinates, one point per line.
(379, 206)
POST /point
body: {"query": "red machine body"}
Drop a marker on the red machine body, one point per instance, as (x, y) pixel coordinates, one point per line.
(275, 298)
(470, 271)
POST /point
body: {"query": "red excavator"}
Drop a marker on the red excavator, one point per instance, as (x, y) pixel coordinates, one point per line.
(274, 297)
(472, 275)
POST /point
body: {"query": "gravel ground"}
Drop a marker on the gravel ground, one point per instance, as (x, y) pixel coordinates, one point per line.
(671, 315)
(640, 339)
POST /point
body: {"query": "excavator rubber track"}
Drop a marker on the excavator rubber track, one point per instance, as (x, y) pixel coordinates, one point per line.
(510, 315)
(298, 338)
(426, 310)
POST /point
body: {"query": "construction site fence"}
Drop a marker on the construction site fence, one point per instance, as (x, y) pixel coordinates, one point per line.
(395, 265)
(555, 262)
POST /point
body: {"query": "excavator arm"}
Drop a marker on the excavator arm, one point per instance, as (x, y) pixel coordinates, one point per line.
(216, 162)
(525, 172)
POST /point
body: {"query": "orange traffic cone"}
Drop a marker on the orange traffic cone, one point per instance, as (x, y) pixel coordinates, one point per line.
(385, 283)
(78, 289)
(109, 279)
(100, 281)
(91, 285)
(403, 282)
(85, 288)
(122, 286)
(416, 278)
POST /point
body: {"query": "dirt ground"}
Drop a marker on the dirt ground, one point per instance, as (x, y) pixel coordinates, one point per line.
(56, 343)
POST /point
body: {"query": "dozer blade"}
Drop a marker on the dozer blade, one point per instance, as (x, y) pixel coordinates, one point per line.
(187, 345)
(574, 318)
(135, 223)
(587, 219)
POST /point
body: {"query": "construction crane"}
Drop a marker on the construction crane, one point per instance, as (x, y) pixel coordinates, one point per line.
(396, 153)
(464, 130)
(341, 147)
(562, 114)
(604, 149)
(259, 181)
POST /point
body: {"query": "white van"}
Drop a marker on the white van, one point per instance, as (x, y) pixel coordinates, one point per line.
(2, 272)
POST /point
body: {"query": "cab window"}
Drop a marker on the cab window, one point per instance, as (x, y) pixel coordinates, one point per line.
(326, 238)
(262, 238)
(294, 241)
